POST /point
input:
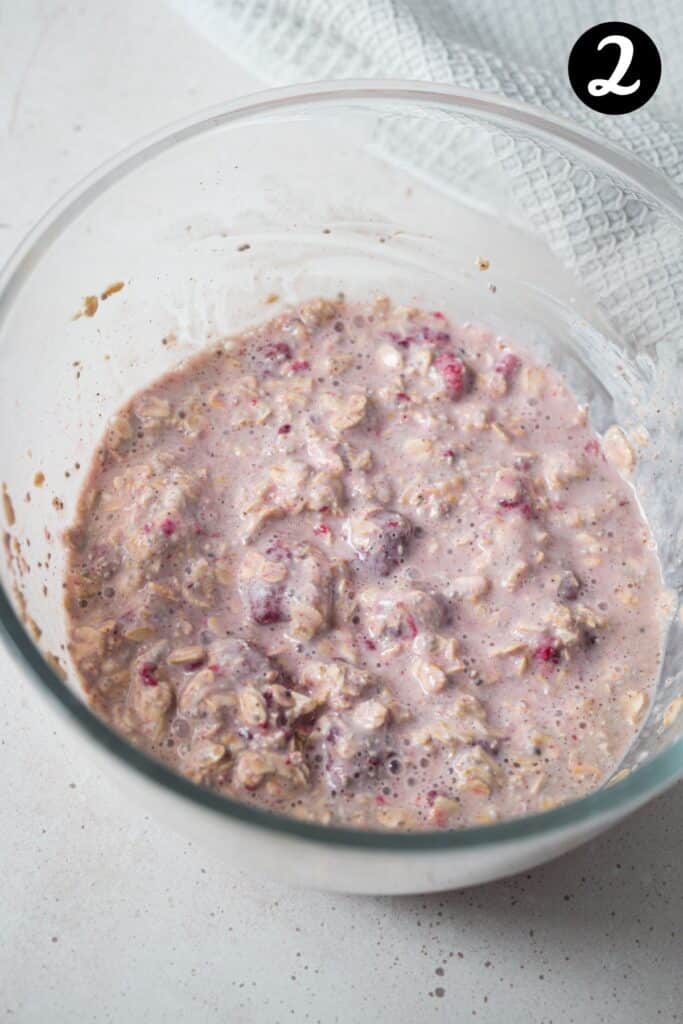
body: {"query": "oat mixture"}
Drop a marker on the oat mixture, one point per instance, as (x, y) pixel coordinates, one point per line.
(361, 565)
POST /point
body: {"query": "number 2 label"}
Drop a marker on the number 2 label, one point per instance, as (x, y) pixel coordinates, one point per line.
(602, 86)
(614, 67)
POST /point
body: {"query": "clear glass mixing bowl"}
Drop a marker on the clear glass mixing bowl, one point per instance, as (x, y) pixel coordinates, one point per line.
(355, 187)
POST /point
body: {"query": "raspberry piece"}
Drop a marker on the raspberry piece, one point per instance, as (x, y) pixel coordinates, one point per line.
(507, 365)
(279, 352)
(412, 625)
(265, 603)
(456, 374)
(387, 544)
(147, 673)
(525, 507)
(548, 651)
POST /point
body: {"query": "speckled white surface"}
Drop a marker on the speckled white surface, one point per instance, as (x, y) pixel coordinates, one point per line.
(107, 916)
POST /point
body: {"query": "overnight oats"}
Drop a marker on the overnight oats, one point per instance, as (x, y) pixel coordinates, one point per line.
(362, 566)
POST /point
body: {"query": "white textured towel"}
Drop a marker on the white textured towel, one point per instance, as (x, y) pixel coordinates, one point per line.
(519, 49)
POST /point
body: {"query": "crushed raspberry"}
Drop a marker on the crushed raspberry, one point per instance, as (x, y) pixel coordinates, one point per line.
(592, 447)
(168, 527)
(279, 351)
(265, 602)
(523, 505)
(215, 668)
(402, 396)
(438, 337)
(507, 365)
(431, 796)
(438, 315)
(455, 373)
(321, 528)
(299, 365)
(403, 340)
(147, 673)
(548, 651)
(285, 428)
(379, 799)
(370, 644)
(412, 625)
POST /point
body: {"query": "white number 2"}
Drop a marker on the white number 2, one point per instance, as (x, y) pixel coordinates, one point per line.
(602, 86)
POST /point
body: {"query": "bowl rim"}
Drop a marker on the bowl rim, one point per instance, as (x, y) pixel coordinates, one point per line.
(607, 803)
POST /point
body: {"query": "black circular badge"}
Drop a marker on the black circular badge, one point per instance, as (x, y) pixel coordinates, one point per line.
(614, 68)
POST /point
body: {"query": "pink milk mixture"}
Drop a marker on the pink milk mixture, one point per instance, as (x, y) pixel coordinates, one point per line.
(360, 565)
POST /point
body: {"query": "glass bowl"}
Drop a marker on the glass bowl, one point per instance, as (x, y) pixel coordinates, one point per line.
(360, 187)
